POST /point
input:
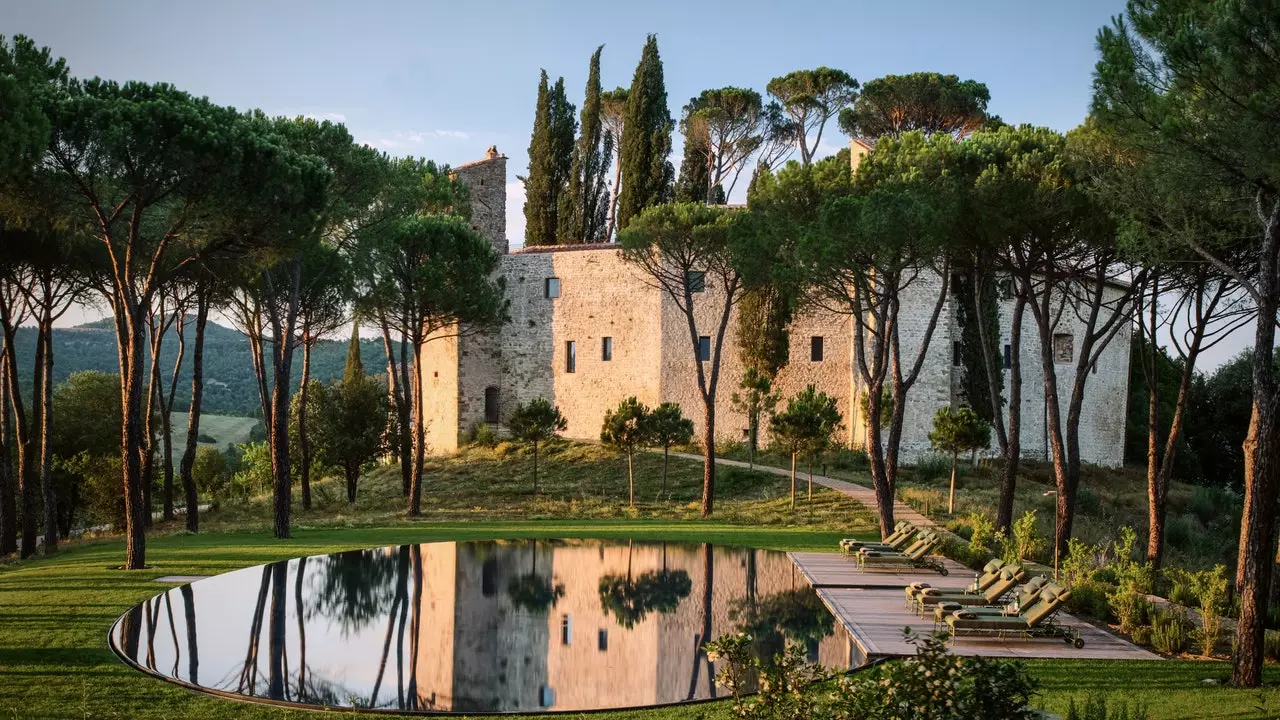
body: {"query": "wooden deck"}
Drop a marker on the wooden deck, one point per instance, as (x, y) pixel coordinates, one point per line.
(871, 606)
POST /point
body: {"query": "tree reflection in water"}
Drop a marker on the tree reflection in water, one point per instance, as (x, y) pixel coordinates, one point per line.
(630, 599)
(355, 588)
(797, 615)
(532, 592)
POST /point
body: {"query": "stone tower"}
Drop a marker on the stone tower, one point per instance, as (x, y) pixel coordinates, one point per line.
(487, 180)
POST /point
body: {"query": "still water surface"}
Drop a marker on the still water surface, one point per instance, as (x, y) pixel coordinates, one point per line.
(499, 626)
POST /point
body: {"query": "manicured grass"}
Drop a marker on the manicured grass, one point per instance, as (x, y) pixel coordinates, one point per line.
(575, 480)
(55, 614)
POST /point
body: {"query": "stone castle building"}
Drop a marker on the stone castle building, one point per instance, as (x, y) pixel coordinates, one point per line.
(588, 331)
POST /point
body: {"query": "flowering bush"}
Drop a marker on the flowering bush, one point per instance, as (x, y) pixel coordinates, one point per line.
(931, 685)
(936, 685)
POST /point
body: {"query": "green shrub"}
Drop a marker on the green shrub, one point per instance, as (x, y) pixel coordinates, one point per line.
(1182, 533)
(842, 458)
(1097, 707)
(1087, 501)
(984, 533)
(1090, 599)
(1210, 588)
(482, 435)
(1026, 541)
(1182, 594)
(935, 685)
(1080, 564)
(253, 476)
(932, 466)
(211, 472)
(1141, 635)
(1208, 503)
(1129, 601)
(924, 500)
(1171, 631)
(784, 683)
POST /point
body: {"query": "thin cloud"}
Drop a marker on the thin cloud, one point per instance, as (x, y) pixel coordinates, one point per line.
(413, 139)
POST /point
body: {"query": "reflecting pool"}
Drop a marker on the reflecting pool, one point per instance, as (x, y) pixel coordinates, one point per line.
(467, 627)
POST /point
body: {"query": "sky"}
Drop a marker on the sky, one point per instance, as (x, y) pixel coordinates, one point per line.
(447, 80)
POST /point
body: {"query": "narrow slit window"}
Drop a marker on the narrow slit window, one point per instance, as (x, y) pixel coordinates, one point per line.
(602, 641)
(704, 348)
(606, 349)
(1064, 348)
(571, 357)
(1008, 356)
(491, 410)
(553, 287)
(815, 348)
(696, 280)
(957, 353)
(566, 629)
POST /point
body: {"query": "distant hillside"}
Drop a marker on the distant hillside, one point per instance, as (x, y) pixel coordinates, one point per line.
(230, 387)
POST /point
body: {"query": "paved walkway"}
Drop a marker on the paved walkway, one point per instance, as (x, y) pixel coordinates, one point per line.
(861, 493)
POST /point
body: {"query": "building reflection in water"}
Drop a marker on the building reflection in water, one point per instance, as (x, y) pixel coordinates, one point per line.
(481, 626)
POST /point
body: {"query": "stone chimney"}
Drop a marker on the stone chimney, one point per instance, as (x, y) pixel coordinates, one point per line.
(487, 180)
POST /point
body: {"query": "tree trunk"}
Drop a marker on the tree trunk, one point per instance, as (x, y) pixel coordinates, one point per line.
(631, 481)
(400, 406)
(166, 401)
(193, 416)
(282, 484)
(46, 437)
(951, 497)
(709, 462)
(1261, 467)
(875, 458)
(793, 481)
(1013, 451)
(810, 483)
(304, 441)
(130, 324)
(613, 200)
(28, 463)
(535, 468)
(8, 499)
(406, 414)
(420, 438)
(665, 452)
(353, 475)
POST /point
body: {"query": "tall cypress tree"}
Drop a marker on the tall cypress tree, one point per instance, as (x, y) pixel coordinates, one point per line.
(540, 185)
(646, 139)
(354, 369)
(583, 206)
(550, 156)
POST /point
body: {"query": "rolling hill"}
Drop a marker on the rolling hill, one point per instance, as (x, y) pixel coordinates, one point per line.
(230, 386)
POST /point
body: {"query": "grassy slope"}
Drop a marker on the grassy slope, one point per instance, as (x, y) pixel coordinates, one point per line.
(1198, 535)
(55, 613)
(228, 430)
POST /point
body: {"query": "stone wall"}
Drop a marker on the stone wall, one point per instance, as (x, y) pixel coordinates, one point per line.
(487, 181)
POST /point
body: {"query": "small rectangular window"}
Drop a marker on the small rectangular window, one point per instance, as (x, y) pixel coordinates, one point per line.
(602, 641)
(571, 357)
(815, 348)
(1005, 286)
(1064, 348)
(1008, 356)
(696, 280)
(553, 287)
(957, 353)
(704, 348)
(547, 696)
(566, 629)
(606, 349)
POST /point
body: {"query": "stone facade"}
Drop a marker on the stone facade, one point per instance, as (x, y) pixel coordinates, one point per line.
(473, 380)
